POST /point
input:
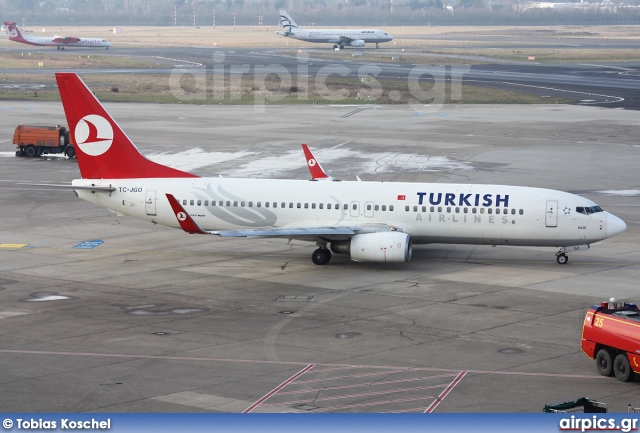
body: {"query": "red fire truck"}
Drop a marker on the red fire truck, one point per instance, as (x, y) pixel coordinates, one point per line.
(611, 336)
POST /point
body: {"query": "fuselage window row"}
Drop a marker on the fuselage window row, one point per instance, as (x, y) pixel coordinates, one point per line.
(375, 207)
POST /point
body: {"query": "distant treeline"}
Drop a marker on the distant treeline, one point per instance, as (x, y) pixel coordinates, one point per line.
(306, 13)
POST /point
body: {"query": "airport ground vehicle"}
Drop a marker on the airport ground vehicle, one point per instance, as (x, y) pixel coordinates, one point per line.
(38, 140)
(611, 336)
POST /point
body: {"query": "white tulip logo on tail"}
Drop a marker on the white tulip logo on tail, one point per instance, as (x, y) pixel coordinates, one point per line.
(13, 32)
(94, 135)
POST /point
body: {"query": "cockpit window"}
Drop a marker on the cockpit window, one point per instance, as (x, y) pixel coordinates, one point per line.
(588, 210)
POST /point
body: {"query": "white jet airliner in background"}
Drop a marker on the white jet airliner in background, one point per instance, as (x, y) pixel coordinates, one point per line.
(60, 42)
(369, 221)
(338, 37)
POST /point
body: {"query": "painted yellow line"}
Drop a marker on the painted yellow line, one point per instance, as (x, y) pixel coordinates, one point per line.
(13, 246)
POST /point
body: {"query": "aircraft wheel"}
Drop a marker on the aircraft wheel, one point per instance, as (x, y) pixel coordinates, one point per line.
(562, 258)
(31, 151)
(622, 369)
(604, 362)
(321, 256)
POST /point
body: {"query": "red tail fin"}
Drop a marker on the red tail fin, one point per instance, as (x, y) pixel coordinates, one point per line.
(102, 148)
(14, 32)
(314, 166)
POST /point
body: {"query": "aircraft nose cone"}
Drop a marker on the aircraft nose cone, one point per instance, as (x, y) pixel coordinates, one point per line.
(615, 225)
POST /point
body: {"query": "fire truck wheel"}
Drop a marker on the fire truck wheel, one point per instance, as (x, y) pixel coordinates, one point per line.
(31, 151)
(622, 369)
(604, 362)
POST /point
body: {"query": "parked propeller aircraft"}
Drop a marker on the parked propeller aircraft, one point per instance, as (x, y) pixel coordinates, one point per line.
(369, 221)
(60, 42)
(338, 37)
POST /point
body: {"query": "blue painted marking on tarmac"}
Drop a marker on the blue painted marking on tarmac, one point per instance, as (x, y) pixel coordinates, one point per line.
(88, 245)
(417, 113)
(442, 114)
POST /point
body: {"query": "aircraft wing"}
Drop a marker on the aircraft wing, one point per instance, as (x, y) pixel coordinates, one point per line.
(301, 233)
(345, 39)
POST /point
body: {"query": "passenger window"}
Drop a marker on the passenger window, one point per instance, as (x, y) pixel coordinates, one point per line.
(424, 208)
(376, 207)
(313, 205)
(306, 205)
(242, 204)
(259, 204)
(368, 207)
(474, 210)
(346, 206)
(290, 205)
(481, 210)
(355, 207)
(433, 209)
(199, 202)
(406, 208)
(390, 208)
(213, 203)
(439, 208)
(235, 204)
(521, 212)
(299, 205)
(250, 204)
(489, 211)
(328, 205)
(228, 203)
(465, 210)
(415, 208)
(321, 205)
(283, 205)
(513, 211)
(384, 207)
(266, 204)
(184, 202)
(448, 210)
(206, 202)
(457, 210)
(191, 202)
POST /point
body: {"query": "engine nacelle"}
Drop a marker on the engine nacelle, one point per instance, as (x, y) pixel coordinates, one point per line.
(357, 43)
(383, 247)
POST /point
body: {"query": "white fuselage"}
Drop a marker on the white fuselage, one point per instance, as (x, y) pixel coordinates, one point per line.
(61, 42)
(430, 213)
(336, 36)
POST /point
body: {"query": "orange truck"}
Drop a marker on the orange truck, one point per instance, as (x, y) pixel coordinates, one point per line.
(39, 140)
(611, 336)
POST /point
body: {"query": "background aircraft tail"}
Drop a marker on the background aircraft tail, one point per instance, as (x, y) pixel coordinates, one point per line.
(14, 32)
(103, 150)
(287, 23)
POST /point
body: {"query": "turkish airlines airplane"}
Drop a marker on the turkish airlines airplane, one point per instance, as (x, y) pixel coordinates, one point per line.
(369, 221)
(60, 42)
(338, 37)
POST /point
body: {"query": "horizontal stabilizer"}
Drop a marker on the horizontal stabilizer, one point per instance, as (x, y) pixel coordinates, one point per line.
(67, 186)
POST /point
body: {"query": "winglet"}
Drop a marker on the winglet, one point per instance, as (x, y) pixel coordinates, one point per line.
(186, 222)
(317, 173)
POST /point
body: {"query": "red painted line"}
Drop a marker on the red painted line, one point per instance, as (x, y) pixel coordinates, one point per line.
(334, 408)
(377, 373)
(446, 391)
(255, 361)
(386, 382)
(278, 388)
(363, 394)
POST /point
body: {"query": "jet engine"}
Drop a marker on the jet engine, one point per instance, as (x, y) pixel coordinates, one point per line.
(357, 43)
(384, 247)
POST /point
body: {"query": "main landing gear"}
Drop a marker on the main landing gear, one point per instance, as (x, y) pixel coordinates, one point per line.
(377, 45)
(321, 256)
(338, 47)
(562, 258)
